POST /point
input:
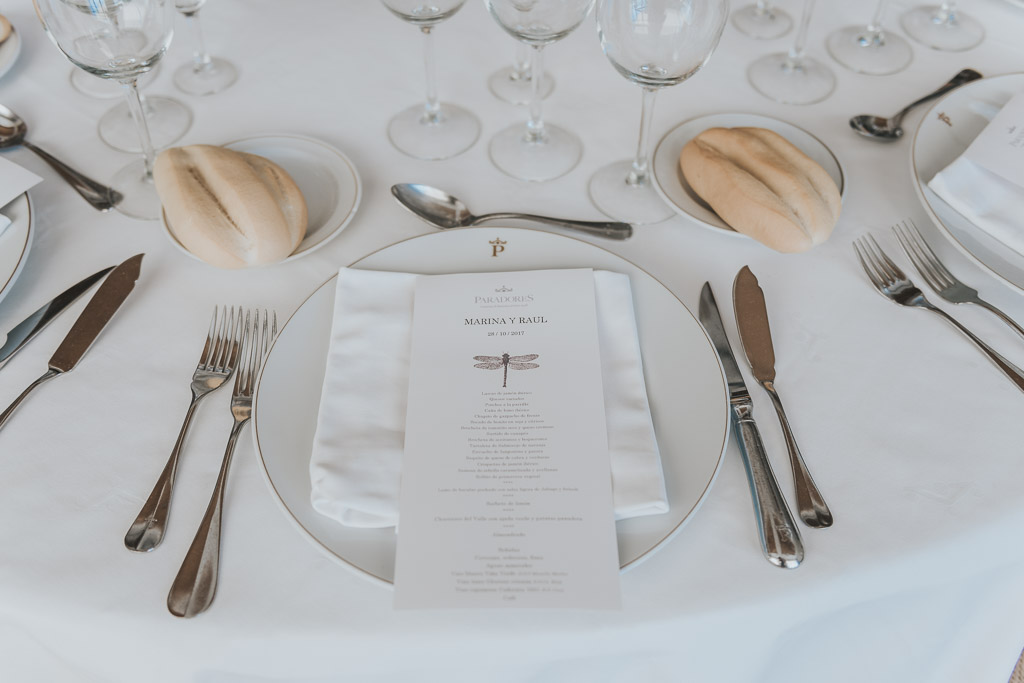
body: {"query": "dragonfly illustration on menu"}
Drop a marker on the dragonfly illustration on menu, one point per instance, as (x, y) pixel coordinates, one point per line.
(506, 362)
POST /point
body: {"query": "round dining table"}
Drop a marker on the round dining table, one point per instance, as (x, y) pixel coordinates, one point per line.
(912, 435)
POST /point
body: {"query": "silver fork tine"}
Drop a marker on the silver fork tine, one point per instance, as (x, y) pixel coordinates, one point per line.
(868, 262)
(918, 258)
(204, 359)
(891, 270)
(224, 341)
(937, 266)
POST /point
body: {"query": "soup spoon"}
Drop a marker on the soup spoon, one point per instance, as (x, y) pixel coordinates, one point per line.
(888, 129)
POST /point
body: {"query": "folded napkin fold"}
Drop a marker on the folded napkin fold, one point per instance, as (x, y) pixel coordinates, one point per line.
(356, 464)
(14, 181)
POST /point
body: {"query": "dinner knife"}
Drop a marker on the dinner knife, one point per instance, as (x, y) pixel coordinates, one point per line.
(756, 338)
(97, 313)
(23, 332)
(780, 538)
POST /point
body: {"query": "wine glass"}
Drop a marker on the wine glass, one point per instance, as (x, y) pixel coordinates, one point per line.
(118, 40)
(793, 77)
(870, 49)
(537, 151)
(435, 130)
(655, 44)
(762, 20)
(205, 75)
(942, 27)
(512, 83)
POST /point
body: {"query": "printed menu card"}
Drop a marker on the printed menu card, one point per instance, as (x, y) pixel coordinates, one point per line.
(506, 488)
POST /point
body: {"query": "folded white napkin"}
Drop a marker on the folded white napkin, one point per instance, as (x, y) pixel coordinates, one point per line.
(356, 463)
(14, 181)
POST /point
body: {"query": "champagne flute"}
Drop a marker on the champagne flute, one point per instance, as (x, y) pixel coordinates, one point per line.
(206, 75)
(435, 130)
(118, 40)
(537, 151)
(512, 83)
(655, 44)
(762, 20)
(870, 49)
(793, 77)
(942, 27)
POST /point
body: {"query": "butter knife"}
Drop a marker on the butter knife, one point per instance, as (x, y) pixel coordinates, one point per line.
(23, 332)
(780, 538)
(98, 312)
(756, 337)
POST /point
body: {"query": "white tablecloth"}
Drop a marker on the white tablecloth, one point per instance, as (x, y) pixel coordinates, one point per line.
(913, 436)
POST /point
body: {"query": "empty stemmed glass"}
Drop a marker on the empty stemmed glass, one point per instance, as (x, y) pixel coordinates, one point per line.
(793, 77)
(942, 27)
(870, 49)
(512, 83)
(118, 40)
(205, 75)
(762, 20)
(435, 130)
(655, 44)
(537, 151)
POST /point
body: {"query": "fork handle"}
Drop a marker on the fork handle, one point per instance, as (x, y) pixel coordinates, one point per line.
(50, 374)
(1015, 374)
(147, 530)
(1002, 316)
(196, 583)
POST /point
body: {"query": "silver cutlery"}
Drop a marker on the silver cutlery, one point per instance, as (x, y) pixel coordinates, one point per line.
(891, 283)
(889, 129)
(220, 353)
(756, 339)
(444, 211)
(938, 277)
(98, 312)
(778, 533)
(12, 134)
(23, 332)
(196, 583)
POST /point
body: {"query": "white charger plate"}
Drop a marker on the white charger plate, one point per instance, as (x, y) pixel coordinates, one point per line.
(673, 188)
(15, 241)
(943, 134)
(685, 383)
(327, 178)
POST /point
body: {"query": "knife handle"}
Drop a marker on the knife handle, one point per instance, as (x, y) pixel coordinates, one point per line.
(780, 539)
(50, 374)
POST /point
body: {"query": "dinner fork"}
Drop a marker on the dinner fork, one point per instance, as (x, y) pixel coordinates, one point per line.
(890, 281)
(194, 587)
(215, 365)
(938, 277)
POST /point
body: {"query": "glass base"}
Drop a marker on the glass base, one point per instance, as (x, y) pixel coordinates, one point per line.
(104, 88)
(552, 157)
(167, 118)
(217, 75)
(508, 86)
(763, 25)
(140, 197)
(928, 26)
(778, 78)
(616, 197)
(455, 131)
(876, 55)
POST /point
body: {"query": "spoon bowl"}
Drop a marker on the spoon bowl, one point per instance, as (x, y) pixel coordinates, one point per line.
(876, 126)
(12, 128)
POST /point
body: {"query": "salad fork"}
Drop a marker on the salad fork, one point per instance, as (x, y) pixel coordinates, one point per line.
(196, 583)
(218, 359)
(938, 277)
(890, 281)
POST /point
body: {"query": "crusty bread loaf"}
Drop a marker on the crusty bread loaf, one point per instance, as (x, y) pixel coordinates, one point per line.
(762, 186)
(231, 209)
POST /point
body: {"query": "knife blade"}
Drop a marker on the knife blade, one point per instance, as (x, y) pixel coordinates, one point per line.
(97, 313)
(779, 536)
(756, 338)
(22, 333)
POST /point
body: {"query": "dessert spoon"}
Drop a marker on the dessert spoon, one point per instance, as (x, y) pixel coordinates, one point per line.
(444, 211)
(888, 129)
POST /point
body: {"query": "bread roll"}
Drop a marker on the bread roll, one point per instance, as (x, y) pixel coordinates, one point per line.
(231, 209)
(5, 28)
(762, 186)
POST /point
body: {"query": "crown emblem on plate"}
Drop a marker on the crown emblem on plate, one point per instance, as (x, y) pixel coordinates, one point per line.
(503, 288)
(497, 246)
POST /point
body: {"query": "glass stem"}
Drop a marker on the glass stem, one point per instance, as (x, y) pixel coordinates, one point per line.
(200, 57)
(761, 8)
(638, 174)
(432, 108)
(521, 66)
(874, 35)
(946, 14)
(796, 53)
(535, 126)
(135, 106)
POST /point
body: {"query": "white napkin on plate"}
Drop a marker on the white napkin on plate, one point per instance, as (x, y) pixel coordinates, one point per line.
(14, 182)
(356, 464)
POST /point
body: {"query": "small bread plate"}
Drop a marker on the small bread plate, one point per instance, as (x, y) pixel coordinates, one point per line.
(685, 383)
(9, 51)
(673, 188)
(944, 133)
(15, 241)
(327, 178)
